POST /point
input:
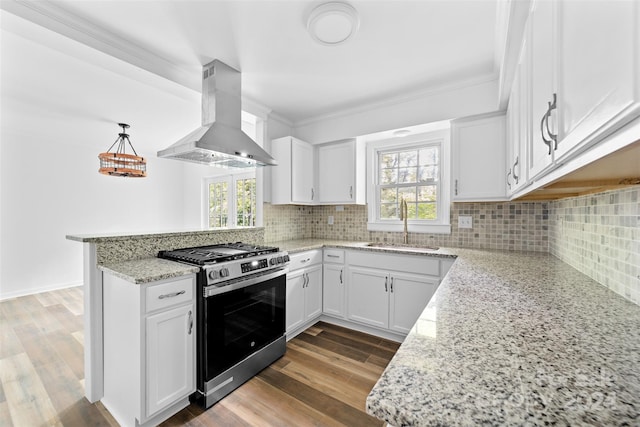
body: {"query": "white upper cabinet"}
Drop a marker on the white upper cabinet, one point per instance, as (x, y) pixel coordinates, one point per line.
(541, 31)
(517, 129)
(478, 153)
(293, 180)
(599, 61)
(341, 172)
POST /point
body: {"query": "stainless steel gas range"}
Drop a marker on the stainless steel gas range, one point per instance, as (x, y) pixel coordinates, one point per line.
(240, 313)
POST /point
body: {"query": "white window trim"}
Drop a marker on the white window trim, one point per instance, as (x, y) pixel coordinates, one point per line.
(440, 226)
(231, 180)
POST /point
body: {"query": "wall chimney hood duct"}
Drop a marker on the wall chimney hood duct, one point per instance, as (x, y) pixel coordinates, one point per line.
(220, 140)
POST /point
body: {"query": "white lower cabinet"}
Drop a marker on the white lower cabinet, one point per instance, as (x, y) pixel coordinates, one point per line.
(149, 348)
(304, 291)
(333, 283)
(386, 298)
(408, 296)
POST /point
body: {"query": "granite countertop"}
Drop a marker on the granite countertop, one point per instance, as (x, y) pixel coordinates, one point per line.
(147, 270)
(111, 237)
(515, 339)
(293, 246)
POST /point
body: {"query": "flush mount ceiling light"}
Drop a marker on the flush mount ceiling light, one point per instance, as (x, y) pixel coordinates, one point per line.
(401, 133)
(333, 23)
(119, 163)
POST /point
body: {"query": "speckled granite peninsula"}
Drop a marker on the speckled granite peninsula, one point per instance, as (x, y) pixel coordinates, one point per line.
(515, 339)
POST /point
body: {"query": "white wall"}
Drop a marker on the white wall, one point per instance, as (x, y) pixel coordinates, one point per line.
(442, 104)
(60, 107)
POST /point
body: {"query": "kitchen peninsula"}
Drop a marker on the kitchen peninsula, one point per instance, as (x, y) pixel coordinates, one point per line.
(508, 338)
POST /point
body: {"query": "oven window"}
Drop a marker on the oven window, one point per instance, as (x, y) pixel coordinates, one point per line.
(240, 322)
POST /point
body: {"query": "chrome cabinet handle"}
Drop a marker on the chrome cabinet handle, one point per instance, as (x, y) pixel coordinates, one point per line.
(190, 321)
(456, 188)
(333, 256)
(304, 280)
(341, 276)
(312, 194)
(351, 192)
(544, 124)
(508, 182)
(171, 295)
(386, 279)
(305, 260)
(516, 177)
(391, 284)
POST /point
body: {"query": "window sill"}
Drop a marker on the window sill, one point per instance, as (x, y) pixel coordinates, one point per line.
(412, 228)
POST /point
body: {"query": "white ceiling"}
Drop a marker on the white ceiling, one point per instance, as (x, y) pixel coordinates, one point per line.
(402, 47)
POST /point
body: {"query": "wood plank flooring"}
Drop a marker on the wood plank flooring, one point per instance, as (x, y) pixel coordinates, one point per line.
(322, 380)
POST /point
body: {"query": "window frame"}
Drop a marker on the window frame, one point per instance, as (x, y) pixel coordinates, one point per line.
(442, 225)
(232, 214)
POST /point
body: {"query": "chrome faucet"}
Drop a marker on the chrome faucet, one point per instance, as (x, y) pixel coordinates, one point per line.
(403, 216)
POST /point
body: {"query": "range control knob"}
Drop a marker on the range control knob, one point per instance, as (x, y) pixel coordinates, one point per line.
(272, 261)
(213, 274)
(224, 272)
(280, 260)
(286, 258)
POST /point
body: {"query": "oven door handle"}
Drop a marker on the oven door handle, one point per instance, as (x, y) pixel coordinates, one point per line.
(210, 291)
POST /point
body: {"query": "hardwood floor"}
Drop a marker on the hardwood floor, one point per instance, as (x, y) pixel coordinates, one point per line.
(322, 380)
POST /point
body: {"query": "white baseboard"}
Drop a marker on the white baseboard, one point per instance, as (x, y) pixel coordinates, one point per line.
(32, 291)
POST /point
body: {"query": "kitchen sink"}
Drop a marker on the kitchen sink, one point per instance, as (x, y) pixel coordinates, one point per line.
(402, 247)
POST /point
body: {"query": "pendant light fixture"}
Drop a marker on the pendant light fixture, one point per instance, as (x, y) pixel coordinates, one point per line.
(119, 163)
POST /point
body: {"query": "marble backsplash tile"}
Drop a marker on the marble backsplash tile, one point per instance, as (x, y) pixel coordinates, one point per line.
(599, 235)
(518, 226)
(506, 226)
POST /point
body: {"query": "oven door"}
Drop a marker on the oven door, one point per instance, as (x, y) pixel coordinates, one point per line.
(240, 319)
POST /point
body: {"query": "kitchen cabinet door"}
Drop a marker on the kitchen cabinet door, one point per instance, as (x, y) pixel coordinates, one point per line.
(170, 357)
(368, 296)
(541, 32)
(295, 312)
(313, 292)
(409, 295)
(341, 172)
(518, 126)
(333, 290)
(302, 172)
(478, 151)
(293, 179)
(598, 84)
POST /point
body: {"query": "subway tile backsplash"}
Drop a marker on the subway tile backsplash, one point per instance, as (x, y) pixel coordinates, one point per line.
(598, 234)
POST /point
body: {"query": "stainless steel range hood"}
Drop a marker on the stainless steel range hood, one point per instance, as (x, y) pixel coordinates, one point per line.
(219, 141)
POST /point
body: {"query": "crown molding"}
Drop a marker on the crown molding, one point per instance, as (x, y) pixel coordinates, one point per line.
(55, 18)
(390, 102)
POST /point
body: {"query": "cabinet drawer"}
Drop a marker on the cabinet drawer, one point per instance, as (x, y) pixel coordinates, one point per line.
(305, 259)
(169, 294)
(335, 256)
(417, 264)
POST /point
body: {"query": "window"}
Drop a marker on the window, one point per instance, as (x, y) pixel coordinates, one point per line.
(410, 170)
(232, 198)
(232, 201)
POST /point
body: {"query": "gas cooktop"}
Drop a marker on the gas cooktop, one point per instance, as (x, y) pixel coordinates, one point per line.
(213, 254)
